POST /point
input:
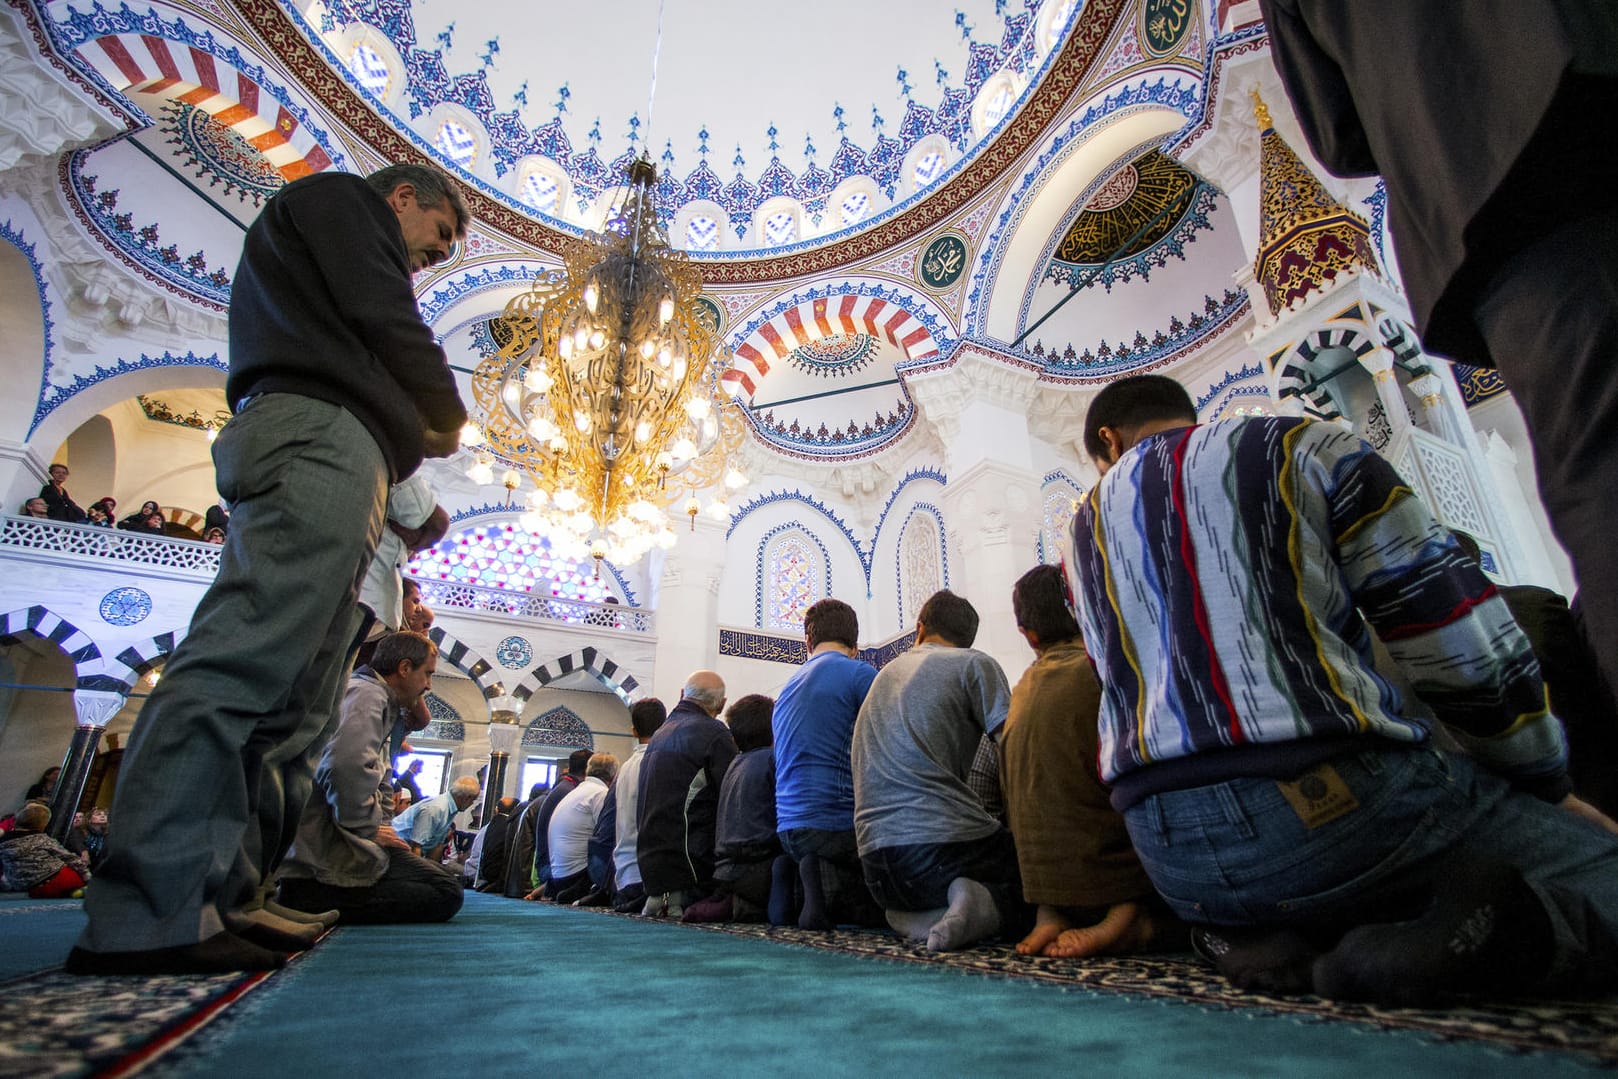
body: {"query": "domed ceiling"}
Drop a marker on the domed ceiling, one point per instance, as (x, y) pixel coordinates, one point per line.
(770, 128)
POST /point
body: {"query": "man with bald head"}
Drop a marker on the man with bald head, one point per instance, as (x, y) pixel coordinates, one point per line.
(680, 775)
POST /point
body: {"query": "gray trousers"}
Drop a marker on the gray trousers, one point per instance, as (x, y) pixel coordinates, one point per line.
(223, 742)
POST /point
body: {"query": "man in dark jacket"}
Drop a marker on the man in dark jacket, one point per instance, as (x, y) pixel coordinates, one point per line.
(336, 384)
(537, 863)
(684, 765)
(496, 848)
(1477, 118)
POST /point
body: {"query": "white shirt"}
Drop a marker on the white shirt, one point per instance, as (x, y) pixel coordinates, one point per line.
(410, 503)
(626, 870)
(571, 826)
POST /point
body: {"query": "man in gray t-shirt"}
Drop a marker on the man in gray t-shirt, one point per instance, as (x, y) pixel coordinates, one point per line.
(943, 869)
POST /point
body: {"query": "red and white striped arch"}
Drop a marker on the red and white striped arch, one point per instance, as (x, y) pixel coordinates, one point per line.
(152, 65)
(811, 321)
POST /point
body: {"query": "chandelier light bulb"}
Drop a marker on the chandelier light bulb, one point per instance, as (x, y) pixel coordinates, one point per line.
(470, 435)
(538, 380)
(511, 394)
(683, 450)
(592, 297)
(557, 445)
(531, 523)
(679, 369)
(597, 339)
(537, 499)
(510, 480)
(567, 500)
(643, 432)
(692, 508)
(581, 337)
(718, 510)
(735, 479)
(564, 347)
(665, 310)
(698, 408)
(481, 474)
(663, 357)
(648, 349)
(581, 420)
(666, 538)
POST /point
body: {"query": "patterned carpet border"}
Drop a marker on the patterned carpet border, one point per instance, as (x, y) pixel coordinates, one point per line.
(110, 1027)
(1585, 1027)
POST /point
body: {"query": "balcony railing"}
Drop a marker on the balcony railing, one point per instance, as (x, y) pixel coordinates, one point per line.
(34, 534)
(471, 597)
(38, 534)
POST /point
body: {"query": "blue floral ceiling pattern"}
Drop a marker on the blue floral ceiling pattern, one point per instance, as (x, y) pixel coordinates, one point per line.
(998, 41)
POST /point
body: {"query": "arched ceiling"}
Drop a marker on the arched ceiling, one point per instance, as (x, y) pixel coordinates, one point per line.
(752, 105)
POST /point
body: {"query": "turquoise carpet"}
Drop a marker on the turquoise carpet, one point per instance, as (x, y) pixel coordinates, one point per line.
(509, 987)
(36, 933)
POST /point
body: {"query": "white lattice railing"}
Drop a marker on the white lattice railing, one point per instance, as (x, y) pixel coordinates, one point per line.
(143, 549)
(469, 597)
(38, 534)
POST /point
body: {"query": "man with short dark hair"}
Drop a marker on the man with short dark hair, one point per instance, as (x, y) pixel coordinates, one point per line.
(1276, 787)
(36, 507)
(814, 781)
(746, 845)
(646, 716)
(337, 385)
(1073, 850)
(533, 849)
(943, 869)
(495, 839)
(347, 856)
(567, 836)
(685, 763)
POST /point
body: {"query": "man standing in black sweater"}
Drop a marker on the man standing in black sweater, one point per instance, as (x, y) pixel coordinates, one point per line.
(338, 389)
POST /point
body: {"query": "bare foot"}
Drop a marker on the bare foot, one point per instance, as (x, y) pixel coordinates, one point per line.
(1126, 928)
(1049, 923)
(971, 916)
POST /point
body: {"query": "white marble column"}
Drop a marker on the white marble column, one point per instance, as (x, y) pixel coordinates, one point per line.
(688, 608)
(1379, 363)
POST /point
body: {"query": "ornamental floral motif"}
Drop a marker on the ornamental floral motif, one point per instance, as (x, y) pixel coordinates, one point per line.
(125, 606)
(514, 653)
(835, 354)
(218, 154)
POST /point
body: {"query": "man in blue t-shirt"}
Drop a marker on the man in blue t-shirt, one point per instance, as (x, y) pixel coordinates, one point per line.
(814, 780)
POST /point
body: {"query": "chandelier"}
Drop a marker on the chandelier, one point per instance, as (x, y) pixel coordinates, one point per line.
(605, 397)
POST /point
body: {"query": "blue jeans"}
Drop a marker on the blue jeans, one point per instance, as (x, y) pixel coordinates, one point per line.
(917, 877)
(1237, 854)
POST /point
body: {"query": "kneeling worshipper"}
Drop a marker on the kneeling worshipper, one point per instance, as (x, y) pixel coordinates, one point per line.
(347, 857)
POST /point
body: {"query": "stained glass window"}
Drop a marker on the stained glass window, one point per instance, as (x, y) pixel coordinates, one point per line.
(504, 556)
(921, 575)
(855, 207)
(794, 579)
(995, 109)
(543, 192)
(929, 168)
(1058, 24)
(369, 69)
(702, 233)
(455, 142)
(781, 228)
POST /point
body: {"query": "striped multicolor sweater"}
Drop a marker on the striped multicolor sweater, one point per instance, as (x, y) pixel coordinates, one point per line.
(1227, 574)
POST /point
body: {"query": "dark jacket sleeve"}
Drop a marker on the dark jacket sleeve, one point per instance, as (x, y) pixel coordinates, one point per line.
(602, 841)
(368, 274)
(1319, 91)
